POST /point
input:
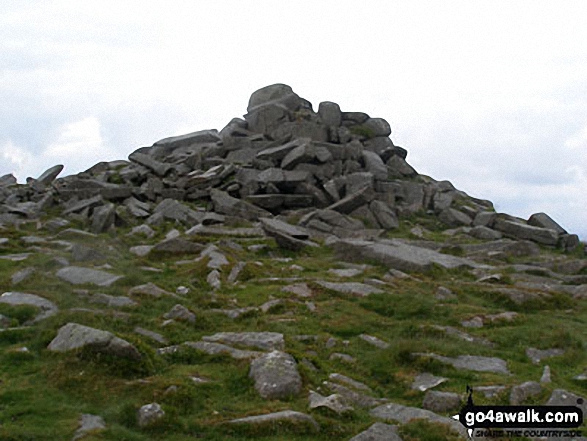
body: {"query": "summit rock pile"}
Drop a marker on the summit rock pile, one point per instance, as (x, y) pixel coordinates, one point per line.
(290, 276)
(339, 168)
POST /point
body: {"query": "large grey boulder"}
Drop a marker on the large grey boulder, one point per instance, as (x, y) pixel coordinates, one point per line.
(276, 225)
(384, 214)
(77, 275)
(75, 336)
(454, 218)
(378, 432)
(519, 230)
(405, 414)
(330, 113)
(267, 341)
(49, 175)
(7, 180)
(47, 307)
(378, 127)
(177, 245)
(103, 218)
(375, 165)
(543, 220)
(276, 376)
(281, 93)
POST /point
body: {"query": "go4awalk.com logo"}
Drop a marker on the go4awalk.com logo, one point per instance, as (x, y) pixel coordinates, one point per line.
(520, 421)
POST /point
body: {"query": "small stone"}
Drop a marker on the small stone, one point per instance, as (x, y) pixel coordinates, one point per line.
(545, 375)
(213, 280)
(378, 432)
(182, 290)
(149, 289)
(374, 341)
(343, 357)
(180, 313)
(475, 322)
(149, 414)
(22, 275)
(443, 293)
(89, 423)
(298, 289)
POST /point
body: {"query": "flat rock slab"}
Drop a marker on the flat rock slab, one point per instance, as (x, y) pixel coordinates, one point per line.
(378, 432)
(426, 381)
(353, 288)
(150, 289)
(405, 414)
(212, 349)
(399, 255)
(537, 355)
(77, 275)
(472, 363)
(267, 341)
(75, 336)
(270, 225)
(276, 376)
(278, 418)
(47, 307)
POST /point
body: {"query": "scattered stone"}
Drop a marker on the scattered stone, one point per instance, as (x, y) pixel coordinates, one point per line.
(89, 424)
(182, 290)
(353, 288)
(149, 414)
(177, 245)
(426, 381)
(78, 275)
(22, 275)
(180, 313)
(213, 280)
(490, 391)
(441, 402)
(475, 322)
(378, 432)
(349, 272)
(374, 341)
(520, 393)
(84, 253)
(279, 418)
(333, 402)
(443, 293)
(276, 376)
(472, 362)
(151, 334)
(350, 382)
(354, 397)
(141, 250)
(236, 312)
(47, 307)
(399, 255)
(298, 289)
(267, 341)
(545, 375)
(143, 229)
(113, 301)
(74, 336)
(343, 357)
(405, 414)
(537, 355)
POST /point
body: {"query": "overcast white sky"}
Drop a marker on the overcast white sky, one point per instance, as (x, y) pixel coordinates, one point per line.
(491, 95)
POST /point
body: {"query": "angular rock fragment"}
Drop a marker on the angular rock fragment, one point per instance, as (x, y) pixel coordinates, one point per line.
(75, 336)
(276, 376)
(78, 275)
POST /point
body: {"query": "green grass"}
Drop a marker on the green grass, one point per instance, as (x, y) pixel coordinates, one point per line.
(43, 394)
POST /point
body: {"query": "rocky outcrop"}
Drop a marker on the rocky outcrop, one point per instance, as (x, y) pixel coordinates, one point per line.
(283, 156)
